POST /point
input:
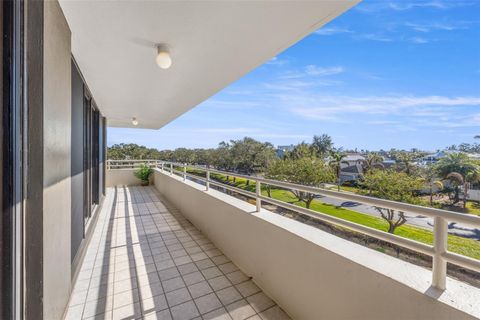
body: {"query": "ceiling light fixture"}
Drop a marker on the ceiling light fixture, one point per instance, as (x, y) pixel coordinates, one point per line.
(134, 121)
(164, 60)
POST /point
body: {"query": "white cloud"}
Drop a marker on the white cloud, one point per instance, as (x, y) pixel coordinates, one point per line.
(419, 40)
(311, 71)
(314, 70)
(432, 26)
(234, 104)
(289, 85)
(310, 76)
(299, 86)
(280, 136)
(328, 31)
(393, 31)
(343, 108)
(375, 37)
(224, 130)
(275, 61)
(382, 122)
(251, 132)
(403, 5)
(452, 121)
(403, 127)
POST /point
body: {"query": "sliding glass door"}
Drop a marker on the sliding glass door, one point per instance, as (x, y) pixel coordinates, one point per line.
(87, 150)
(91, 155)
(21, 154)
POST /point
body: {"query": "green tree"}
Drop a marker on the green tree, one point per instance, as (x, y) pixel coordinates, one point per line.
(278, 170)
(336, 164)
(166, 155)
(459, 169)
(183, 155)
(131, 151)
(322, 145)
(306, 171)
(373, 160)
(429, 176)
(222, 157)
(301, 150)
(393, 219)
(392, 185)
(405, 163)
(251, 156)
(204, 156)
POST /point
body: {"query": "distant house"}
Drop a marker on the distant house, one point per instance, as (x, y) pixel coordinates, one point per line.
(281, 150)
(388, 163)
(351, 173)
(352, 160)
(435, 157)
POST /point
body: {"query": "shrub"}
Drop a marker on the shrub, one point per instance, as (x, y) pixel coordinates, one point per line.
(143, 172)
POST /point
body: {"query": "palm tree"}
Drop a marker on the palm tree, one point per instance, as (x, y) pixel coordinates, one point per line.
(405, 159)
(322, 145)
(336, 164)
(457, 180)
(429, 176)
(458, 168)
(373, 160)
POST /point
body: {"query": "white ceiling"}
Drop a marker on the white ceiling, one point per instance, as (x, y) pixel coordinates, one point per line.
(213, 43)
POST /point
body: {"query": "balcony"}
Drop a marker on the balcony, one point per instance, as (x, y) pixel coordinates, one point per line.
(182, 249)
(146, 260)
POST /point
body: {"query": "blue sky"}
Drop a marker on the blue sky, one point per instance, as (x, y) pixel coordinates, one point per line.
(386, 74)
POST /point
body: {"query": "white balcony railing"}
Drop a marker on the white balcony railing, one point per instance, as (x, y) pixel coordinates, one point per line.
(439, 251)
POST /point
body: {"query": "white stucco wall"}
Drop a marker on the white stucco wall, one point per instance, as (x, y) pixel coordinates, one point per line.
(57, 164)
(313, 274)
(473, 195)
(117, 177)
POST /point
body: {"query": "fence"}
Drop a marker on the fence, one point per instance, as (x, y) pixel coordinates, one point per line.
(438, 251)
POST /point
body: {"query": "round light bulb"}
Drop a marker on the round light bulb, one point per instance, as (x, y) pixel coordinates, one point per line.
(163, 59)
(135, 121)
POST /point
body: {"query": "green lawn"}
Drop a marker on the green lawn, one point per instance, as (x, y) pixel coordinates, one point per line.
(473, 207)
(456, 244)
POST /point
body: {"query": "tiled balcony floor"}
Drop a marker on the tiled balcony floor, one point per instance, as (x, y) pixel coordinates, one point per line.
(146, 261)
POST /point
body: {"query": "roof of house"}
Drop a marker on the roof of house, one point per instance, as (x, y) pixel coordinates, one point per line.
(354, 157)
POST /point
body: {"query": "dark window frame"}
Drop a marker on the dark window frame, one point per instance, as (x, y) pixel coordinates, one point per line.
(22, 160)
(91, 145)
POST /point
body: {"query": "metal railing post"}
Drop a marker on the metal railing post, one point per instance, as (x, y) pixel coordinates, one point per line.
(207, 183)
(161, 166)
(258, 191)
(171, 168)
(184, 171)
(439, 267)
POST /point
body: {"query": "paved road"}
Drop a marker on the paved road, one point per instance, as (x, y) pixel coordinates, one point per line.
(459, 229)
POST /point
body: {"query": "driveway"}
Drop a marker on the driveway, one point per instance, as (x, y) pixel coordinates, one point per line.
(459, 229)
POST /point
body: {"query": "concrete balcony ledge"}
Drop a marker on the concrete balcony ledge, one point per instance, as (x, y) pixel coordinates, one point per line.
(121, 177)
(310, 273)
